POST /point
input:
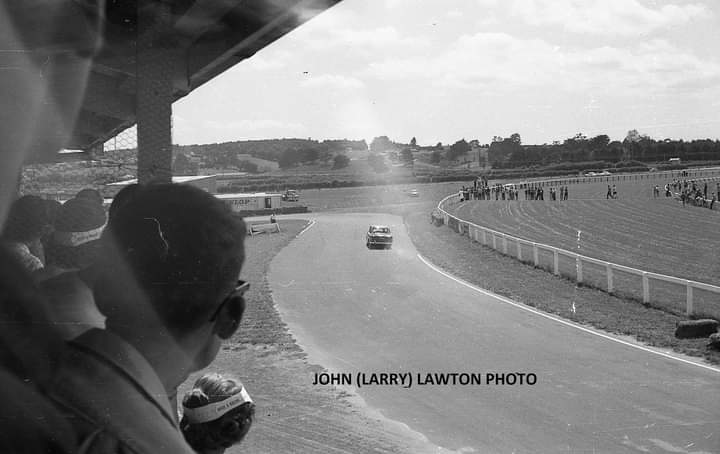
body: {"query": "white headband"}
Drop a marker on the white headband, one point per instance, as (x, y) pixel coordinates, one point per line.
(215, 410)
(73, 239)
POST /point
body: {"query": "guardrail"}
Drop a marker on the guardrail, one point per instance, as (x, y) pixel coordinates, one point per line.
(513, 247)
(689, 174)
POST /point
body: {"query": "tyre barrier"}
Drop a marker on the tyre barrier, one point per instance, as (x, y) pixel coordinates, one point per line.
(714, 341)
(694, 329)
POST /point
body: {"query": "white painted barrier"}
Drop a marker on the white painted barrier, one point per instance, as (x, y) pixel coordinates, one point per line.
(610, 267)
(272, 227)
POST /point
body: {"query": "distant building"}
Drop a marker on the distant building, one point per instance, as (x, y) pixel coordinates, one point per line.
(237, 202)
(252, 202)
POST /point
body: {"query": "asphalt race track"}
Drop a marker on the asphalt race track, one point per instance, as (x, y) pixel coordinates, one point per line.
(360, 310)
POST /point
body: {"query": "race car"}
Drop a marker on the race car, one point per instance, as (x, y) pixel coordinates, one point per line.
(379, 235)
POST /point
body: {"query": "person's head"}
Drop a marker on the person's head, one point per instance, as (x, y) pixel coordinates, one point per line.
(75, 243)
(217, 413)
(52, 209)
(27, 220)
(171, 259)
(90, 194)
(121, 198)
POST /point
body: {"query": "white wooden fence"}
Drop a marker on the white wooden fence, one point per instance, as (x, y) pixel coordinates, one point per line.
(513, 246)
(697, 174)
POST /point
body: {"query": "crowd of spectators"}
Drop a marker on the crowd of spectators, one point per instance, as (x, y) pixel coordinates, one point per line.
(136, 301)
(690, 192)
(482, 190)
(104, 315)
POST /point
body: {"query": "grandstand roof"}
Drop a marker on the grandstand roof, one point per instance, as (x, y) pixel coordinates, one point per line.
(206, 38)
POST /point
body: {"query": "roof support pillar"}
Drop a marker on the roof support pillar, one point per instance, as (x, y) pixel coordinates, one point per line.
(155, 64)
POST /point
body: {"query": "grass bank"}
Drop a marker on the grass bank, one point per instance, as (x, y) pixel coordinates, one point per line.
(537, 288)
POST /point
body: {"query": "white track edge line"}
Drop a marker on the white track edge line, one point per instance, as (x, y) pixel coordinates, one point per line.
(559, 320)
(312, 223)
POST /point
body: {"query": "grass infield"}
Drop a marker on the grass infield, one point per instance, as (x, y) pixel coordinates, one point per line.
(637, 230)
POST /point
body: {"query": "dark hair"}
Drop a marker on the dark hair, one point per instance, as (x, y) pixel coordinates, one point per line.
(52, 208)
(230, 428)
(92, 195)
(26, 220)
(182, 245)
(76, 215)
(122, 198)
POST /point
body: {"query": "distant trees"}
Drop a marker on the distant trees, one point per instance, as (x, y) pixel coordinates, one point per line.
(340, 161)
(288, 159)
(502, 152)
(435, 157)
(183, 166)
(247, 166)
(377, 162)
(457, 149)
(303, 155)
(382, 143)
(406, 156)
(506, 152)
(509, 153)
(222, 154)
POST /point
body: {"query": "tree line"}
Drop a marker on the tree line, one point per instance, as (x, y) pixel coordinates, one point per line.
(286, 152)
(510, 153)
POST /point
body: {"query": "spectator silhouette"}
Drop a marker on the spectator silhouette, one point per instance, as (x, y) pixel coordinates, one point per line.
(167, 283)
(73, 248)
(27, 223)
(217, 413)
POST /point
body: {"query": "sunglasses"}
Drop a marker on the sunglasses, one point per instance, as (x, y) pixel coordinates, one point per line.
(240, 288)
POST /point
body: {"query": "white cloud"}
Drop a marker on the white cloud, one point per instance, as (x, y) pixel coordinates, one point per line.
(476, 61)
(385, 39)
(454, 14)
(503, 62)
(245, 127)
(332, 81)
(606, 17)
(487, 20)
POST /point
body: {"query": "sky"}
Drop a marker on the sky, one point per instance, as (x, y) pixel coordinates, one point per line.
(445, 70)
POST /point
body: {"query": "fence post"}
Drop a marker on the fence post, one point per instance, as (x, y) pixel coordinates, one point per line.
(505, 245)
(646, 288)
(578, 268)
(519, 250)
(556, 263)
(689, 304)
(535, 254)
(609, 271)
(484, 240)
(494, 241)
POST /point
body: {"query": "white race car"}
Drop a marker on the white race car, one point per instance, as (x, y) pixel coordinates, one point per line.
(379, 236)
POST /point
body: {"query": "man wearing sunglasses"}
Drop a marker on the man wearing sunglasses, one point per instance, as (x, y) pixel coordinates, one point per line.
(168, 286)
